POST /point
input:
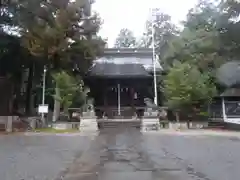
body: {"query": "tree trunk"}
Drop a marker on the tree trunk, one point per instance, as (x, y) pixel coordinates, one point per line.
(177, 116)
(178, 119)
(56, 111)
(29, 91)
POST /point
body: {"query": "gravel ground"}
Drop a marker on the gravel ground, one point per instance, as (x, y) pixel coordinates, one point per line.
(122, 154)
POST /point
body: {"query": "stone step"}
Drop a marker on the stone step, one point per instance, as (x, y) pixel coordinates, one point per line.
(216, 124)
(119, 124)
(149, 121)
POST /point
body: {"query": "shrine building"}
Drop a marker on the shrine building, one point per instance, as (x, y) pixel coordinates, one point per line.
(120, 81)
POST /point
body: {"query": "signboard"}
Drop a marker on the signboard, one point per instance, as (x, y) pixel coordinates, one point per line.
(43, 108)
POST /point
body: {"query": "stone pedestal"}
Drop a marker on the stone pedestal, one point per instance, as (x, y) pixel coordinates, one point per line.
(33, 123)
(149, 124)
(9, 124)
(88, 124)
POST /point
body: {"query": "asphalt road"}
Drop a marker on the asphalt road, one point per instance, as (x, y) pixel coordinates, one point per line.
(121, 154)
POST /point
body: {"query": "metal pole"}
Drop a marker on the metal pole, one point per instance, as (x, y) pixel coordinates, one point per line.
(119, 100)
(43, 89)
(224, 110)
(154, 63)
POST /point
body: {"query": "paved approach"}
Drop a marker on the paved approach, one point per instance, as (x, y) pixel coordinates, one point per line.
(121, 154)
(130, 154)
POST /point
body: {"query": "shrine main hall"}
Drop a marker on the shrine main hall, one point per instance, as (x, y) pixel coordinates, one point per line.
(120, 82)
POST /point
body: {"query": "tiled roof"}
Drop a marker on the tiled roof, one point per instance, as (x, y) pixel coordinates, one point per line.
(231, 92)
(118, 70)
(147, 62)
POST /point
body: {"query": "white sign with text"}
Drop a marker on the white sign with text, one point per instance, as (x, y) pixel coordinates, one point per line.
(43, 108)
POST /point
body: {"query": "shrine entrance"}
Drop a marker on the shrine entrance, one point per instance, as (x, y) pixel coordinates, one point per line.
(123, 100)
(119, 98)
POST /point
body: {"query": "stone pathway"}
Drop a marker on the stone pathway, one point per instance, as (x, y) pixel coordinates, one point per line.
(119, 154)
(111, 156)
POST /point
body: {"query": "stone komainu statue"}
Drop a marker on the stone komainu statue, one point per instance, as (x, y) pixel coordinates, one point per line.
(162, 115)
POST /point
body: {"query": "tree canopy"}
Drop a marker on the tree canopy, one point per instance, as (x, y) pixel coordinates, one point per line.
(208, 40)
(186, 86)
(60, 34)
(164, 31)
(71, 89)
(125, 39)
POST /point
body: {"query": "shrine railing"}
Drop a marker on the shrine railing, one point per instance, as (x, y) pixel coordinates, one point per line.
(232, 108)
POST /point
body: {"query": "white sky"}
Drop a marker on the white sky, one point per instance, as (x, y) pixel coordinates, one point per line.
(132, 14)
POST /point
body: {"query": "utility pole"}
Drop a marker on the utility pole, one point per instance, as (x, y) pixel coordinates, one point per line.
(154, 57)
(43, 90)
(119, 99)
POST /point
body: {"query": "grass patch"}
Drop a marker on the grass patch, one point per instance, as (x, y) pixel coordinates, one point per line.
(52, 130)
